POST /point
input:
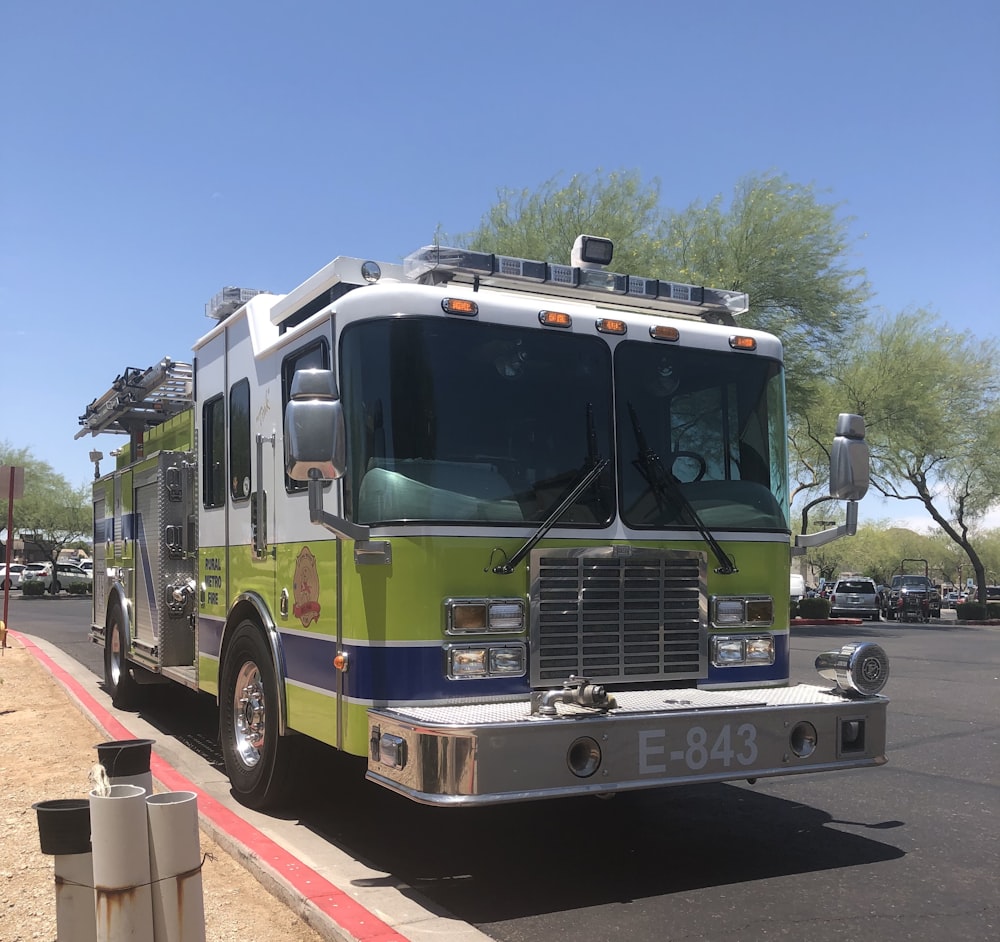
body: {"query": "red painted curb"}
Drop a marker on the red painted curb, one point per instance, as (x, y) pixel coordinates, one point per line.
(333, 902)
(827, 621)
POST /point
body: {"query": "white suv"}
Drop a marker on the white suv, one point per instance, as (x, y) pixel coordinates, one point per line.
(66, 574)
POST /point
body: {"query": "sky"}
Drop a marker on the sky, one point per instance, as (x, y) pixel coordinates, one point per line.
(151, 153)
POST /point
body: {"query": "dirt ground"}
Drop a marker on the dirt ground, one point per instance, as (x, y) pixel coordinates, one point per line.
(46, 752)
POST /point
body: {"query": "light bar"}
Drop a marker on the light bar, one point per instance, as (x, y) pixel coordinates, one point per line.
(228, 300)
(521, 268)
(442, 263)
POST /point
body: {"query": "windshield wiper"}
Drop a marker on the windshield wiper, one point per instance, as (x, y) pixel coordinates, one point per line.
(664, 485)
(589, 476)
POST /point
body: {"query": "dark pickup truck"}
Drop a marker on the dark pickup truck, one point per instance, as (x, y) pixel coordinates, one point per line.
(894, 600)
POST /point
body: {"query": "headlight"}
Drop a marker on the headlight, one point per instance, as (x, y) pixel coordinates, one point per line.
(468, 615)
(467, 662)
(742, 650)
(754, 611)
(860, 668)
(492, 660)
(508, 659)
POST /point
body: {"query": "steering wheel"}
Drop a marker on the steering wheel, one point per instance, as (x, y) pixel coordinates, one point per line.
(694, 456)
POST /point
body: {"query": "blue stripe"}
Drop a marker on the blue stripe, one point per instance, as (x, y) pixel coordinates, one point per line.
(147, 573)
(210, 635)
(399, 673)
(129, 526)
(386, 673)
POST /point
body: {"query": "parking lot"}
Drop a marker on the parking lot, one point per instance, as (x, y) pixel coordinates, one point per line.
(904, 851)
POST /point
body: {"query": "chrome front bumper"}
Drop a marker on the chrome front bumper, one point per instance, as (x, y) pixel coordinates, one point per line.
(500, 752)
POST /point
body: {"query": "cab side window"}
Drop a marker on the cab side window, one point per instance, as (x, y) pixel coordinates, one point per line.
(213, 458)
(239, 440)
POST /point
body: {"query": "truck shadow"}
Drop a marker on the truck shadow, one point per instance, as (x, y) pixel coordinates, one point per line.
(492, 864)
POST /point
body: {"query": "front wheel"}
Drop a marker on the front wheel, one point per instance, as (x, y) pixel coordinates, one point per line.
(118, 678)
(260, 763)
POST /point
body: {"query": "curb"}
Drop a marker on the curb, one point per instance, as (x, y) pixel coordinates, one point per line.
(799, 622)
(315, 900)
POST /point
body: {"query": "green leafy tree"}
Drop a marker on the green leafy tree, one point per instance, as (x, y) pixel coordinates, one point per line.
(774, 239)
(790, 252)
(931, 402)
(51, 515)
(544, 223)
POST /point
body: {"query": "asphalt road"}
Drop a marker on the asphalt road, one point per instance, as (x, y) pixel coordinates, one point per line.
(905, 852)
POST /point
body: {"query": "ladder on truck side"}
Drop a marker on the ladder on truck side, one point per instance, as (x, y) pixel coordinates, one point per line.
(151, 538)
(139, 400)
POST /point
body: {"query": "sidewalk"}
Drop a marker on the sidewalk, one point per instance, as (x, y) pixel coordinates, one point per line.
(336, 897)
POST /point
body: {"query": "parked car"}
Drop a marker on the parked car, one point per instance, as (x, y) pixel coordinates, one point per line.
(36, 571)
(952, 600)
(855, 598)
(10, 575)
(66, 574)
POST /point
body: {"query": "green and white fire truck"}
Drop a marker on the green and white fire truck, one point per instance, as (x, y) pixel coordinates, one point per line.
(510, 529)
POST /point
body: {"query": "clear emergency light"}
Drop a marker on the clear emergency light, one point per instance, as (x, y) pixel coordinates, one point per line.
(438, 263)
(229, 300)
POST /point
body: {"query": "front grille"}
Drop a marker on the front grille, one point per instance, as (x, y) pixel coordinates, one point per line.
(617, 614)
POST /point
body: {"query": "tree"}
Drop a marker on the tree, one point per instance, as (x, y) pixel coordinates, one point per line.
(931, 403)
(788, 251)
(51, 515)
(544, 224)
(775, 240)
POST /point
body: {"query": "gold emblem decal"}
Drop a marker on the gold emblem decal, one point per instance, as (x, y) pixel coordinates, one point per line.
(305, 588)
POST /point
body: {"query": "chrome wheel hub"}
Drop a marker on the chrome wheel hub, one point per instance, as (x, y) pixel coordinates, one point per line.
(249, 715)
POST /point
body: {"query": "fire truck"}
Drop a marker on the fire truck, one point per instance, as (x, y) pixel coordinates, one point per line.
(509, 529)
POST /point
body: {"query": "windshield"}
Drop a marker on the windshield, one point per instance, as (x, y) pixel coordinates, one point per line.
(714, 422)
(454, 421)
(451, 421)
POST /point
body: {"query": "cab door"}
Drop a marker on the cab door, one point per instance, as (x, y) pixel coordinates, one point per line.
(252, 479)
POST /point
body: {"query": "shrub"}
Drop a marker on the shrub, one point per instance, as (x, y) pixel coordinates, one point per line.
(970, 611)
(814, 608)
(35, 587)
(993, 609)
(78, 588)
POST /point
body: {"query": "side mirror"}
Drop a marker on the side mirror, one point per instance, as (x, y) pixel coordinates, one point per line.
(315, 447)
(849, 459)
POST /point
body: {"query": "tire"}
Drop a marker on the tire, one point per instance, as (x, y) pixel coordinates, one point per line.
(261, 764)
(118, 677)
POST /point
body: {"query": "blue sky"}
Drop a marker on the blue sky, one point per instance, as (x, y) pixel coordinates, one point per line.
(152, 153)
